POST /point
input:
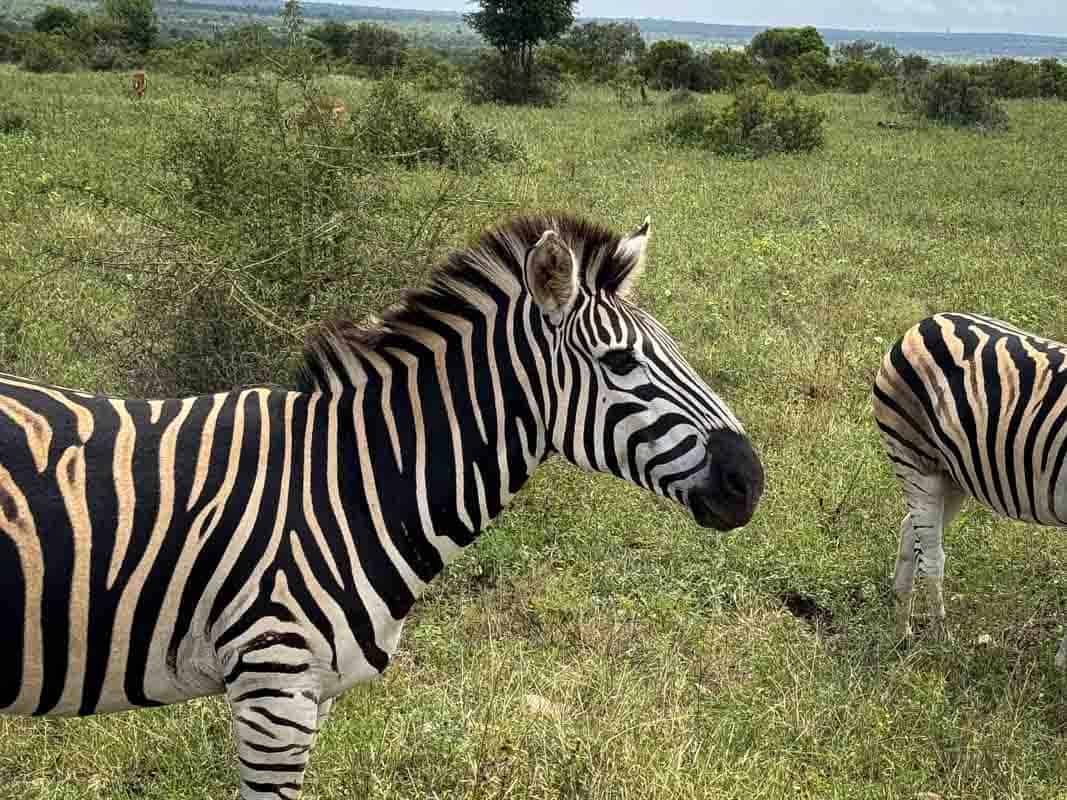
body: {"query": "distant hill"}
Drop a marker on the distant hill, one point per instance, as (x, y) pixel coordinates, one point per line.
(940, 46)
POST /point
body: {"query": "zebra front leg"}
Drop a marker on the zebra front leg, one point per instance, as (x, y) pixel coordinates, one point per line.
(275, 730)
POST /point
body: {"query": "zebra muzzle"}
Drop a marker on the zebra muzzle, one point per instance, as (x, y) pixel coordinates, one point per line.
(732, 485)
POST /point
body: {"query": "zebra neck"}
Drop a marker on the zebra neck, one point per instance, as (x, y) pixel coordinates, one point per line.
(431, 445)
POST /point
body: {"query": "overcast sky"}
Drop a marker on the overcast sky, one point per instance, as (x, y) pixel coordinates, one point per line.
(1015, 16)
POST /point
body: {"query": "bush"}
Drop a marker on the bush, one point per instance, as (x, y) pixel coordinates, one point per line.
(1011, 78)
(912, 66)
(884, 57)
(55, 19)
(1052, 79)
(12, 46)
(262, 236)
(48, 52)
(395, 123)
(666, 65)
(598, 51)
(13, 122)
(757, 123)
(493, 80)
(429, 72)
(859, 77)
(376, 47)
(953, 96)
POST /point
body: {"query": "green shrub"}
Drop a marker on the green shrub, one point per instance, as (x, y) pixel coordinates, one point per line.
(14, 122)
(859, 77)
(376, 47)
(953, 96)
(492, 79)
(394, 123)
(666, 65)
(757, 123)
(1052, 79)
(428, 71)
(48, 52)
(1010, 78)
(55, 19)
(12, 46)
(912, 66)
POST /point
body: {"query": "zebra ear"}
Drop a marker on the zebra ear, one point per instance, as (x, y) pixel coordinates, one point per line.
(552, 276)
(629, 261)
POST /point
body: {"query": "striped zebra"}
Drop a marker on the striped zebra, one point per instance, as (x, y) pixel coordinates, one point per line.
(268, 544)
(969, 405)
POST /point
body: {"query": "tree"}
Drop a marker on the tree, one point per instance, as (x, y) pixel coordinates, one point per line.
(517, 27)
(376, 46)
(601, 49)
(882, 56)
(335, 37)
(781, 50)
(55, 19)
(667, 64)
(787, 43)
(138, 21)
(1052, 79)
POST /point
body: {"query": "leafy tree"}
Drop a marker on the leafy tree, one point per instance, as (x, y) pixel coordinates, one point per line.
(666, 64)
(912, 65)
(859, 76)
(138, 21)
(601, 48)
(336, 37)
(787, 43)
(55, 19)
(1052, 79)
(882, 56)
(517, 27)
(376, 46)
(1010, 77)
(721, 71)
(780, 50)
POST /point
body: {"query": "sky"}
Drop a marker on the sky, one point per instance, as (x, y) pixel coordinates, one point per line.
(994, 16)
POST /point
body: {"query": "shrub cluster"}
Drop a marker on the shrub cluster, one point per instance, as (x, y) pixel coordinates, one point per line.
(953, 96)
(394, 123)
(491, 79)
(757, 123)
(14, 122)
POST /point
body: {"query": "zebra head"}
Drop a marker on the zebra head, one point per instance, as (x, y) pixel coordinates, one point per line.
(626, 400)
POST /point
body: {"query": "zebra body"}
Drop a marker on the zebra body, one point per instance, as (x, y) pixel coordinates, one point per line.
(268, 544)
(970, 406)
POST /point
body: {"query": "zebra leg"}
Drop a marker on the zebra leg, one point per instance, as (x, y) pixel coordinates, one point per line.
(275, 731)
(904, 577)
(930, 511)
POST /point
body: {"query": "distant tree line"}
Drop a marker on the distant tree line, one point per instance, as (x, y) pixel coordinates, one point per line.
(535, 50)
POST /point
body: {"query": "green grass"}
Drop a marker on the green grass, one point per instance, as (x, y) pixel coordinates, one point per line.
(668, 664)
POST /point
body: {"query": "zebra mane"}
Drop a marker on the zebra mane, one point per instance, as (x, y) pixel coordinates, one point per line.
(494, 261)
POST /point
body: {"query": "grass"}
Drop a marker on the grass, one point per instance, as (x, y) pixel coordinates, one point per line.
(595, 643)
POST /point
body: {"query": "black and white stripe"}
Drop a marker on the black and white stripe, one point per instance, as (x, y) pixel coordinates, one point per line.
(268, 544)
(970, 406)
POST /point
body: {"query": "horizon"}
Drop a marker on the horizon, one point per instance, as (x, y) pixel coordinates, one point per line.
(589, 10)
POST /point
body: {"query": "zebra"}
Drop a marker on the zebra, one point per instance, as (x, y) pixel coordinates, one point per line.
(970, 406)
(267, 544)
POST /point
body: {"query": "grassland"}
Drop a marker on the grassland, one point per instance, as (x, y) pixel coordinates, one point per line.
(665, 659)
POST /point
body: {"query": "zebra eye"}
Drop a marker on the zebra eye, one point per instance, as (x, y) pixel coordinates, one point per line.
(621, 362)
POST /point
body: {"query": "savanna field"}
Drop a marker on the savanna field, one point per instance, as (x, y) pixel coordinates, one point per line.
(595, 643)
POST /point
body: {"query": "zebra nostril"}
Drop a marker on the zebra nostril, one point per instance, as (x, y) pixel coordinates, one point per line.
(735, 484)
